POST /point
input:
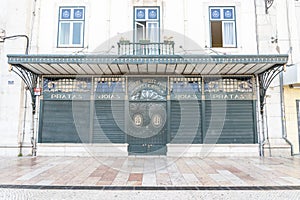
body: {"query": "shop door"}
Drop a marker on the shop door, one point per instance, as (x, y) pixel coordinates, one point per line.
(147, 128)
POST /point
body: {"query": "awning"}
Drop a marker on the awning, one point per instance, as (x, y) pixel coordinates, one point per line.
(146, 64)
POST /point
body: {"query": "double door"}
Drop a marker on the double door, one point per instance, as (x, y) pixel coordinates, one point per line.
(147, 128)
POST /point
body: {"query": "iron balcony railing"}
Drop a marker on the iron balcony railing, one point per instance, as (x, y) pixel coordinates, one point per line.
(126, 47)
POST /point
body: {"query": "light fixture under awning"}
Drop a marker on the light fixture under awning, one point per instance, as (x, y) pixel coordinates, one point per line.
(53, 64)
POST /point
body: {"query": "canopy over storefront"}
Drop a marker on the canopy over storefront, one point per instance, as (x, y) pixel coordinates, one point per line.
(143, 62)
(146, 64)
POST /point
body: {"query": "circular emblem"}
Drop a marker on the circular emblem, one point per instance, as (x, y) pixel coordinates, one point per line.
(51, 85)
(157, 120)
(152, 14)
(215, 14)
(66, 14)
(138, 119)
(228, 14)
(78, 14)
(141, 14)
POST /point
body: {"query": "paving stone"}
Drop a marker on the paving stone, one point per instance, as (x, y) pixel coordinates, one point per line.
(150, 171)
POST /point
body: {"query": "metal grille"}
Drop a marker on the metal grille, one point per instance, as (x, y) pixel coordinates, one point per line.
(67, 84)
(109, 85)
(185, 85)
(228, 84)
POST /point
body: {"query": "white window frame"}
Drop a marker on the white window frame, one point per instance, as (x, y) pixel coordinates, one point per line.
(71, 21)
(147, 20)
(224, 21)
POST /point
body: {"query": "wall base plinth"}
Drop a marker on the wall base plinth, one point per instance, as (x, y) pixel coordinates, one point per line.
(277, 148)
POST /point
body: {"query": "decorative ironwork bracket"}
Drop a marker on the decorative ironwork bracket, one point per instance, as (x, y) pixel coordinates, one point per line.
(265, 79)
(268, 4)
(30, 80)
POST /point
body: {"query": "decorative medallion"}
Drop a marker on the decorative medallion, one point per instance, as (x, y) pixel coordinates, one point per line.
(138, 120)
(66, 13)
(147, 119)
(157, 120)
(51, 85)
(78, 13)
(215, 14)
(228, 14)
(152, 13)
(140, 13)
(147, 90)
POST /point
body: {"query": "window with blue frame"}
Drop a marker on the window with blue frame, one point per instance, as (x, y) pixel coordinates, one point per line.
(71, 26)
(222, 26)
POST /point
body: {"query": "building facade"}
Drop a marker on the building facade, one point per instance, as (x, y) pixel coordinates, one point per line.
(146, 77)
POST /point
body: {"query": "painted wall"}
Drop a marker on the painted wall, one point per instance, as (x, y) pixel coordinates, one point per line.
(292, 74)
(290, 97)
(14, 19)
(108, 20)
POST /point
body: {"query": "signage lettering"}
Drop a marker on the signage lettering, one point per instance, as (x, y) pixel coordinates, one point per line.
(185, 96)
(108, 96)
(66, 96)
(229, 96)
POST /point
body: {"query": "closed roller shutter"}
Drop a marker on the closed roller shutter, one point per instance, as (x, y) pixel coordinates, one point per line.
(186, 122)
(109, 122)
(228, 122)
(65, 122)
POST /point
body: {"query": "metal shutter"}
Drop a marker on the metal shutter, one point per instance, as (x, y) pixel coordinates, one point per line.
(229, 122)
(185, 122)
(65, 122)
(109, 122)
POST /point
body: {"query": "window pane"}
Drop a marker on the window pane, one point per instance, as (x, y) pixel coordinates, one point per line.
(64, 36)
(216, 33)
(77, 33)
(153, 32)
(228, 34)
(140, 31)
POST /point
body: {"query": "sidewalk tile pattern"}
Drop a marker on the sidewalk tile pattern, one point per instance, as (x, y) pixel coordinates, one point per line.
(150, 171)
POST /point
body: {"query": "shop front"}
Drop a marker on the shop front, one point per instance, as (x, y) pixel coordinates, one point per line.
(154, 105)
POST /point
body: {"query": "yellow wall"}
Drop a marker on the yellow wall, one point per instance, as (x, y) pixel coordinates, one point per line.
(290, 97)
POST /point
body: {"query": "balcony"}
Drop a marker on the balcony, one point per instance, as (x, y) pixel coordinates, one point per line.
(145, 47)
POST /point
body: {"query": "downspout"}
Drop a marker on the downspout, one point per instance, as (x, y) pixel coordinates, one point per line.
(260, 123)
(256, 31)
(24, 124)
(33, 99)
(35, 120)
(261, 133)
(33, 140)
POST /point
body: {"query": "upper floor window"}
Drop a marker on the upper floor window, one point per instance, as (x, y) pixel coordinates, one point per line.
(71, 26)
(222, 26)
(146, 24)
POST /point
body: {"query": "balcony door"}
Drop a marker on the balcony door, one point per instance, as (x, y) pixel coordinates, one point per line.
(146, 24)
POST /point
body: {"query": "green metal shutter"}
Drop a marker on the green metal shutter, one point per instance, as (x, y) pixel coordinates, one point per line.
(65, 122)
(185, 122)
(109, 122)
(228, 122)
